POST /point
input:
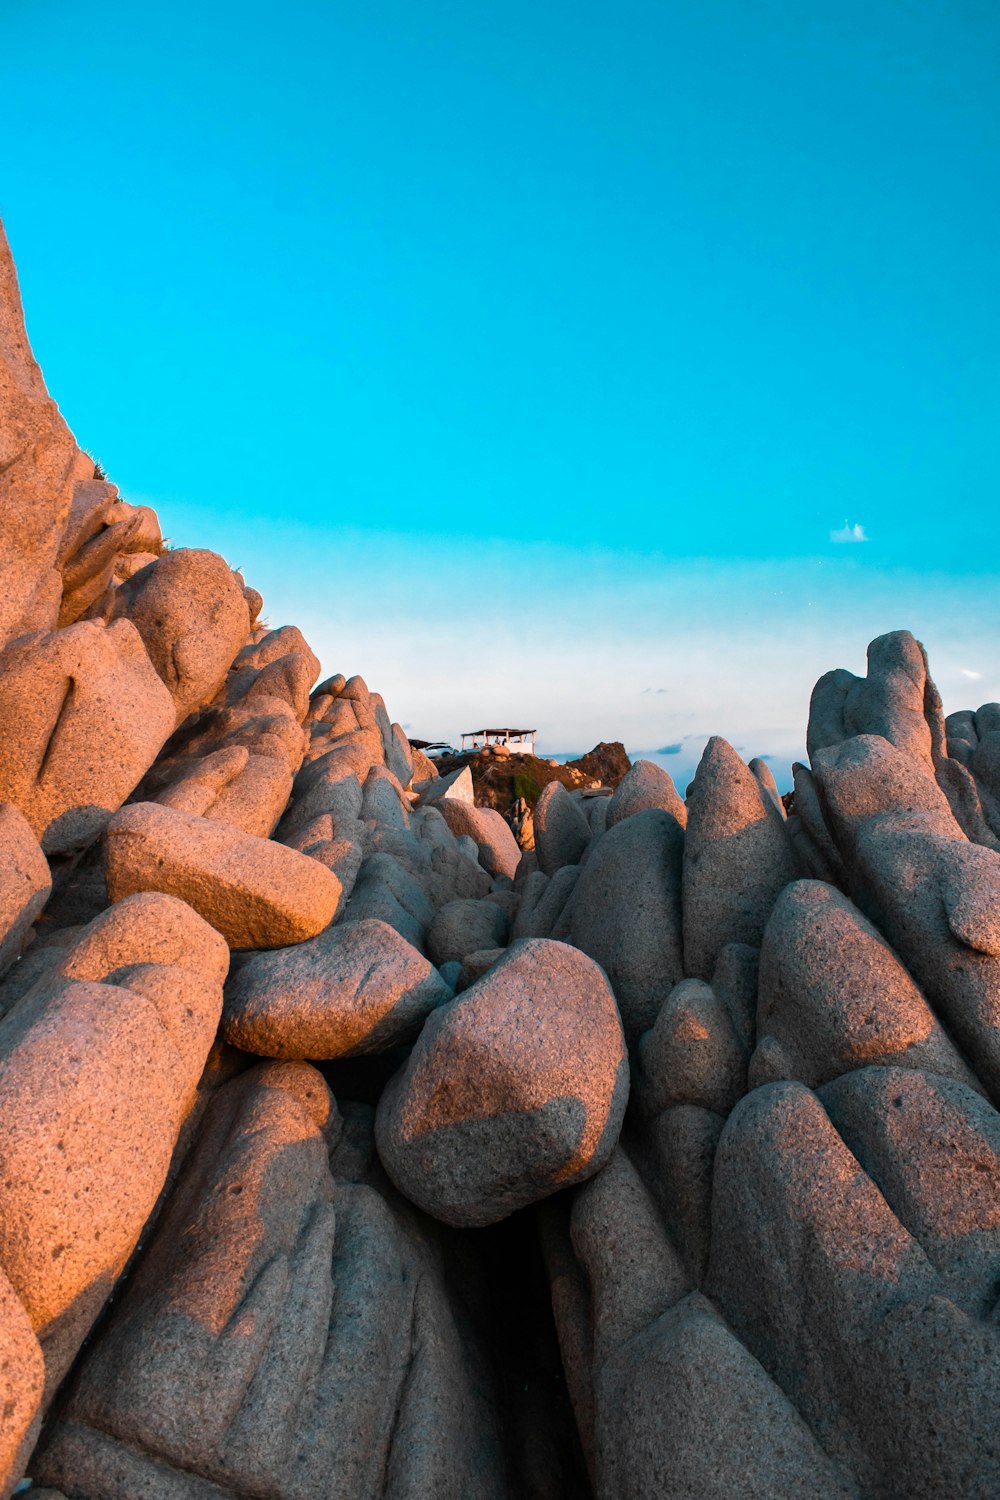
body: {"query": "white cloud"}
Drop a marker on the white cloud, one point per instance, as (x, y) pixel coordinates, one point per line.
(849, 533)
(968, 672)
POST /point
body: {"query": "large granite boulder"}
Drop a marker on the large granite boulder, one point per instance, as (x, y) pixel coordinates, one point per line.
(646, 785)
(932, 893)
(513, 1090)
(842, 1305)
(257, 893)
(96, 1080)
(354, 989)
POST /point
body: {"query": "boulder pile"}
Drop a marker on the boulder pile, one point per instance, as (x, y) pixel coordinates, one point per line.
(349, 1151)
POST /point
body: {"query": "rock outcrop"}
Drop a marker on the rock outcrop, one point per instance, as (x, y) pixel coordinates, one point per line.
(316, 1176)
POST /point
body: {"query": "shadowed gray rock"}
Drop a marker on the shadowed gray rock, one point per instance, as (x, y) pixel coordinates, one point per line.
(931, 892)
(842, 1306)
(687, 1412)
(625, 913)
(561, 829)
(691, 1055)
(353, 989)
(284, 1335)
(513, 1090)
(737, 857)
(932, 1147)
(463, 927)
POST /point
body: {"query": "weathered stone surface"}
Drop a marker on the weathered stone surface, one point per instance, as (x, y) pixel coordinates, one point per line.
(932, 1147)
(625, 912)
(353, 989)
(897, 700)
(834, 997)
(686, 1411)
(233, 786)
(633, 1271)
(462, 927)
(513, 1090)
(22, 1379)
(25, 882)
(284, 1334)
(257, 893)
(147, 928)
(498, 850)
(95, 1082)
(933, 894)
(561, 829)
(82, 716)
(473, 967)
(841, 1305)
(646, 785)
(189, 608)
(385, 891)
(37, 455)
(682, 1142)
(737, 857)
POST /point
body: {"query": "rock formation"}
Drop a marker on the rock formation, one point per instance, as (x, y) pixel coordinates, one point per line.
(351, 1149)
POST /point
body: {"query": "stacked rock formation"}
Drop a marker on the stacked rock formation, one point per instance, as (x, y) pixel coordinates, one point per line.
(348, 1151)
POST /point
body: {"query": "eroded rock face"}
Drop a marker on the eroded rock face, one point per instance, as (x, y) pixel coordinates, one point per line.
(22, 1381)
(37, 462)
(513, 1090)
(562, 832)
(82, 717)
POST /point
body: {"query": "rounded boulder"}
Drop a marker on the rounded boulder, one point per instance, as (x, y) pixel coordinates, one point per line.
(514, 1090)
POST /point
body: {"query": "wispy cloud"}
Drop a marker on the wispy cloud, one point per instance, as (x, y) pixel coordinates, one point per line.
(849, 533)
(970, 674)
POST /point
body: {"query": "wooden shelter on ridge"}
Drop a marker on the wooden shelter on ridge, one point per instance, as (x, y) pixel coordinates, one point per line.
(517, 741)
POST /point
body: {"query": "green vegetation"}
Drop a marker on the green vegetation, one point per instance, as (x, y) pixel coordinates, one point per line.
(526, 787)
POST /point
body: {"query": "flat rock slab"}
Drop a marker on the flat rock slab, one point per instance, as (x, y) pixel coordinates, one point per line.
(353, 989)
(257, 893)
(514, 1090)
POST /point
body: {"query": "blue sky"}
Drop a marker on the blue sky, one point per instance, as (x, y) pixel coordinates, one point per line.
(533, 356)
